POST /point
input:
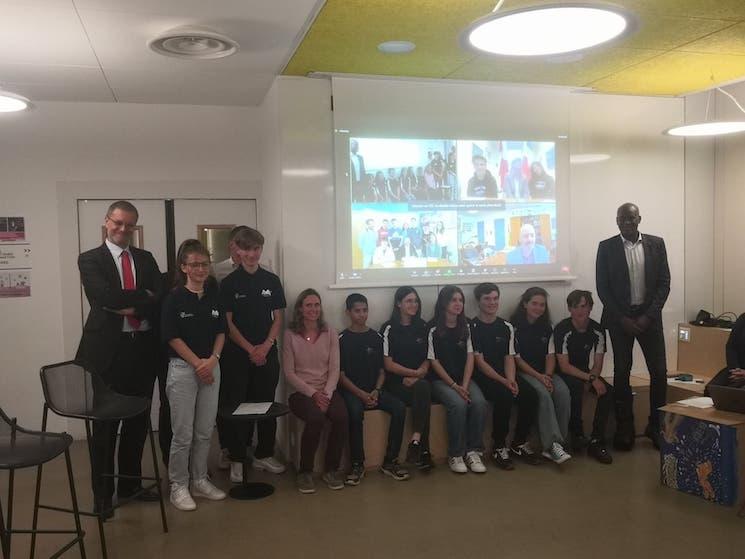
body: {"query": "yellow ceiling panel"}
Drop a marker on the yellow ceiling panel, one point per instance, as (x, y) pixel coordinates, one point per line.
(593, 66)
(660, 58)
(663, 32)
(673, 72)
(728, 41)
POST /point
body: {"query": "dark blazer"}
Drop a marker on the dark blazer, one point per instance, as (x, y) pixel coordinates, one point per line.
(103, 288)
(613, 283)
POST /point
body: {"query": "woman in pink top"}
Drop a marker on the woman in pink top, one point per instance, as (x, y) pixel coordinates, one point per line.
(310, 359)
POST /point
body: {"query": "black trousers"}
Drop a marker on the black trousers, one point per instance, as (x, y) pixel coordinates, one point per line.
(356, 412)
(602, 409)
(419, 398)
(502, 399)
(242, 381)
(165, 433)
(652, 342)
(132, 372)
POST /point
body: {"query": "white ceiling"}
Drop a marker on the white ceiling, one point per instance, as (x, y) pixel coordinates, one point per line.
(96, 50)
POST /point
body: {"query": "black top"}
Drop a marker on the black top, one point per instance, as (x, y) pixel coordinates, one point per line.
(736, 345)
(581, 347)
(451, 350)
(196, 321)
(252, 298)
(533, 342)
(361, 357)
(406, 345)
(483, 188)
(494, 341)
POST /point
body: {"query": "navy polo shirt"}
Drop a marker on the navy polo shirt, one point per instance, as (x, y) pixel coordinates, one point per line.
(197, 321)
(494, 341)
(252, 298)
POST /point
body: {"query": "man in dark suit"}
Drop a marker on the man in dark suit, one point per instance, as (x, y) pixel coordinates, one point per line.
(357, 172)
(123, 285)
(633, 281)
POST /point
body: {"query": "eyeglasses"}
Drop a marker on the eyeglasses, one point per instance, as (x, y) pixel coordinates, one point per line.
(198, 265)
(122, 224)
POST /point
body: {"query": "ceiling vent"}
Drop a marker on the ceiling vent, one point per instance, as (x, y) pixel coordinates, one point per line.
(194, 43)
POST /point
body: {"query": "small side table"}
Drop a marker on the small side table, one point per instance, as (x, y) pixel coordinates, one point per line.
(253, 490)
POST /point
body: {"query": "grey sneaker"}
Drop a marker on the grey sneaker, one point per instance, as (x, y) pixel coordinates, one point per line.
(334, 480)
(305, 483)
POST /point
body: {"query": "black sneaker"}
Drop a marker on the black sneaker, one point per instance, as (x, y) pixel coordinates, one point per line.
(502, 459)
(579, 442)
(526, 454)
(394, 470)
(355, 476)
(597, 450)
(414, 452)
(425, 463)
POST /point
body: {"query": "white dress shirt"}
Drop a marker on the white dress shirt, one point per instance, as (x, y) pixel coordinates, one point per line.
(116, 253)
(635, 261)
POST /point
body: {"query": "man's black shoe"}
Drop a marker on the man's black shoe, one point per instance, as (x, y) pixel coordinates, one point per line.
(103, 508)
(526, 454)
(653, 433)
(596, 449)
(147, 496)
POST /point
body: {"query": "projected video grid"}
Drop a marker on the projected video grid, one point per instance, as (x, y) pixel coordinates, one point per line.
(465, 206)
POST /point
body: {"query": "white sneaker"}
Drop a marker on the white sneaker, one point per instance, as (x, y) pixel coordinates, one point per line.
(270, 464)
(181, 499)
(557, 454)
(236, 472)
(475, 464)
(457, 465)
(223, 462)
(205, 488)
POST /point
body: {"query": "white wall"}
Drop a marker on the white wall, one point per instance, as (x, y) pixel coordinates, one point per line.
(61, 151)
(645, 167)
(729, 255)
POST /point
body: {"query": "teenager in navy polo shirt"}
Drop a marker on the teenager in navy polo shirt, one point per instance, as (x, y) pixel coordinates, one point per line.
(580, 349)
(253, 299)
(535, 358)
(451, 355)
(494, 355)
(193, 326)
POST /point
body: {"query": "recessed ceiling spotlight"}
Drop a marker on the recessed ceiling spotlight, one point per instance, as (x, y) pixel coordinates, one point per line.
(193, 42)
(396, 47)
(549, 29)
(12, 102)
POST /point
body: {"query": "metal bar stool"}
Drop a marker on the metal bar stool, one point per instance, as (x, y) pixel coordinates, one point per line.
(73, 392)
(21, 448)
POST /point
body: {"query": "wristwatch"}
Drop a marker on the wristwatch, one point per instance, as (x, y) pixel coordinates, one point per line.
(592, 378)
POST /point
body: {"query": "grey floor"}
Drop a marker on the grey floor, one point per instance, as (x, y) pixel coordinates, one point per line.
(579, 510)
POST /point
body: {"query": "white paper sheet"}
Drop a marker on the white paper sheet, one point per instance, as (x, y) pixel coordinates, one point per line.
(252, 408)
(702, 402)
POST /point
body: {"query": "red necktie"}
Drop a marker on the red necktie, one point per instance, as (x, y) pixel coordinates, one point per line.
(129, 283)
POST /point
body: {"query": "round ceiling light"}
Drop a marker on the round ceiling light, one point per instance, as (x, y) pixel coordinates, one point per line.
(549, 29)
(712, 128)
(194, 43)
(396, 47)
(11, 102)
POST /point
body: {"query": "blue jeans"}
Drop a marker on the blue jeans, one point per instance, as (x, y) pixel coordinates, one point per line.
(553, 410)
(193, 412)
(356, 411)
(465, 420)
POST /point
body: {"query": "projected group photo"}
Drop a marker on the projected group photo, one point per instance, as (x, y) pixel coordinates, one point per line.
(433, 203)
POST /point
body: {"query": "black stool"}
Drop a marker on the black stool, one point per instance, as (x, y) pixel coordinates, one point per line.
(71, 391)
(20, 448)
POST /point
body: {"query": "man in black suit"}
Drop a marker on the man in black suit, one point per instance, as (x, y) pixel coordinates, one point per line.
(357, 172)
(123, 285)
(633, 281)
